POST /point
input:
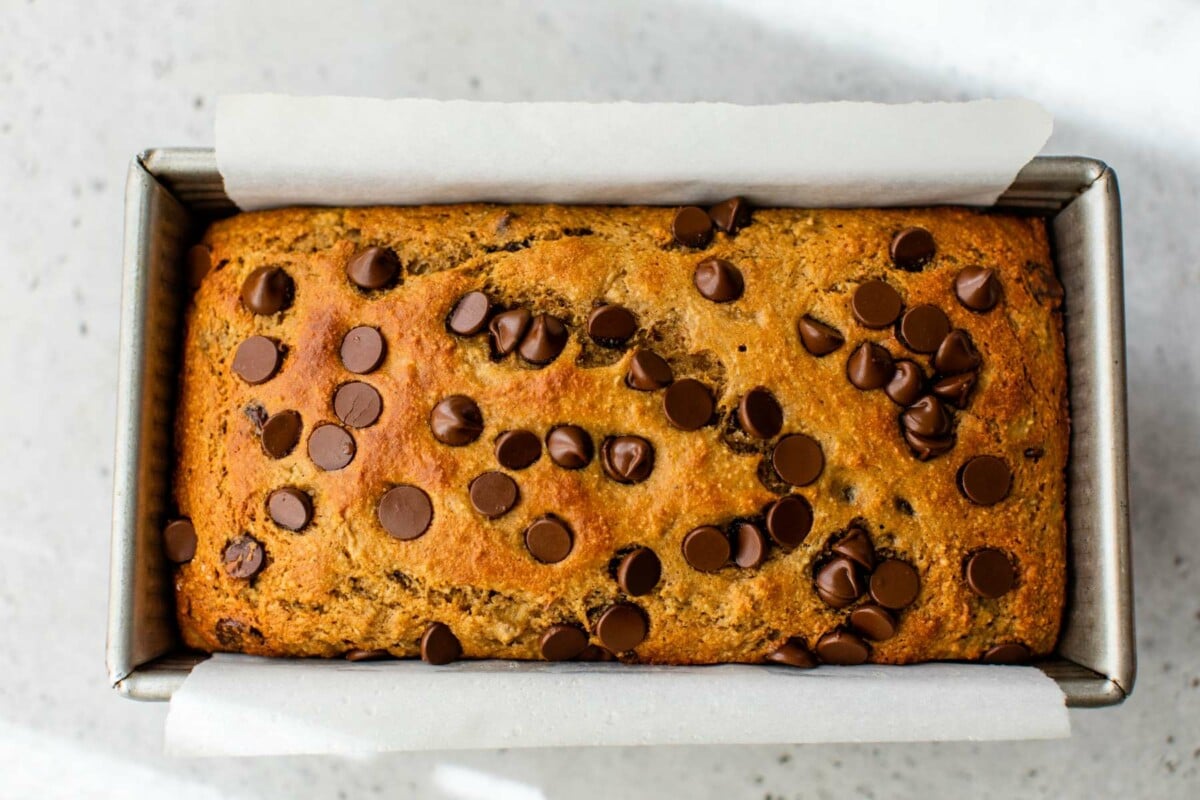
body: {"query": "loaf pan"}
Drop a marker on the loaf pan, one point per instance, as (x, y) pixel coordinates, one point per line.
(172, 194)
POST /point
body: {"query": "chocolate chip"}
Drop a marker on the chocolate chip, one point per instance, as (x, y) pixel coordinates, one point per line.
(706, 549)
(639, 571)
(595, 653)
(290, 508)
(244, 556)
(838, 583)
(357, 404)
(611, 325)
(923, 328)
(985, 480)
(493, 494)
(912, 248)
(789, 519)
(1034, 453)
(692, 227)
(373, 268)
(797, 459)
(895, 584)
(648, 371)
(562, 642)
(179, 540)
(545, 339)
(366, 655)
(718, 280)
(876, 304)
(621, 627)
(927, 447)
(518, 449)
(990, 573)
(956, 353)
(281, 433)
(927, 417)
(760, 414)
(257, 360)
(362, 349)
(730, 215)
(873, 622)
(439, 645)
(906, 383)
(405, 512)
(470, 314)
(793, 653)
(688, 404)
(627, 459)
(749, 545)
(507, 328)
(330, 447)
(456, 420)
(199, 262)
(842, 648)
(818, 338)
(548, 539)
(955, 389)
(569, 447)
(869, 367)
(856, 546)
(267, 290)
(977, 288)
(1012, 653)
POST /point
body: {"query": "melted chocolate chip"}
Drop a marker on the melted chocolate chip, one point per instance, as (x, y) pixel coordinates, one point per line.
(611, 325)
(439, 645)
(470, 314)
(648, 371)
(357, 404)
(873, 622)
(869, 367)
(906, 384)
(912, 248)
(493, 494)
(730, 215)
(797, 459)
(793, 653)
(927, 447)
(789, 519)
(895, 584)
(759, 413)
(281, 433)
(718, 280)
(856, 546)
(621, 627)
(562, 642)
(639, 571)
(989, 573)
(923, 328)
(956, 353)
(818, 338)
(927, 417)
(627, 459)
(749, 545)
(373, 268)
(179, 541)
(977, 288)
(507, 328)
(955, 389)
(985, 480)
(290, 508)
(518, 449)
(706, 549)
(366, 655)
(545, 339)
(330, 447)
(569, 446)
(688, 404)
(257, 360)
(1010, 653)
(267, 290)
(243, 557)
(842, 648)
(692, 227)
(405, 512)
(876, 304)
(548, 539)
(456, 421)
(838, 583)
(362, 349)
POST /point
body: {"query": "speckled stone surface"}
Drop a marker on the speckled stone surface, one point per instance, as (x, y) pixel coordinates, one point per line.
(82, 89)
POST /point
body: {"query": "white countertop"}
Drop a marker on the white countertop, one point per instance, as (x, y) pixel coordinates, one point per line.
(83, 89)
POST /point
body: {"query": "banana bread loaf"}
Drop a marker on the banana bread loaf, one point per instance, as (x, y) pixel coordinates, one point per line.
(679, 436)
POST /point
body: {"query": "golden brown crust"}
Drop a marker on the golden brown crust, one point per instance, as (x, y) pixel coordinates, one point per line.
(343, 583)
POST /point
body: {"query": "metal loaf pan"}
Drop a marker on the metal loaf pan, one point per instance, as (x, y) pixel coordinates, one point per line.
(173, 193)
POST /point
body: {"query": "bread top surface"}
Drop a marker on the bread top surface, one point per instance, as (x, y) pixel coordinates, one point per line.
(344, 583)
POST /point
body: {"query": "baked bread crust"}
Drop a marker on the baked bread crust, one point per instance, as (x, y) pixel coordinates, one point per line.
(344, 584)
